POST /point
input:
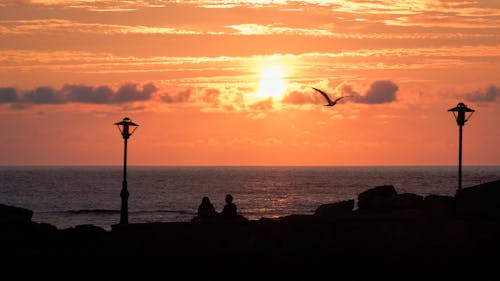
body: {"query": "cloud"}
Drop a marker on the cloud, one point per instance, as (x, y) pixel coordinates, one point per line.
(347, 90)
(43, 95)
(130, 92)
(296, 97)
(490, 94)
(264, 105)
(127, 93)
(211, 96)
(382, 91)
(256, 115)
(182, 96)
(8, 95)
(19, 27)
(88, 94)
(129, 108)
(260, 29)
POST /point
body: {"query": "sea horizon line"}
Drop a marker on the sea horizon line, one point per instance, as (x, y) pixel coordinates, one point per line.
(244, 166)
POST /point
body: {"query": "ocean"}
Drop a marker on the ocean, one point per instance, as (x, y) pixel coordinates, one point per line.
(70, 196)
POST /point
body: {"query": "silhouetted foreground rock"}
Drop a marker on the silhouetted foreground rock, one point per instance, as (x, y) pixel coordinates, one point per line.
(388, 232)
(11, 214)
(336, 209)
(480, 201)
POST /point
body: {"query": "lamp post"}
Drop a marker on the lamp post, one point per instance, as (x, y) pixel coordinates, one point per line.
(460, 115)
(127, 128)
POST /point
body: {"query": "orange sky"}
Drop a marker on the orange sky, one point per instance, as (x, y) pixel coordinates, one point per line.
(230, 84)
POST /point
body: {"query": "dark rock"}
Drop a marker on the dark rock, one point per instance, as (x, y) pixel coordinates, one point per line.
(11, 214)
(292, 218)
(379, 198)
(86, 229)
(401, 239)
(341, 208)
(439, 206)
(45, 228)
(408, 201)
(237, 218)
(479, 201)
(90, 228)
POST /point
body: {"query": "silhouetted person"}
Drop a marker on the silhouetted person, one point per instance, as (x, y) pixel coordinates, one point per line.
(230, 210)
(206, 210)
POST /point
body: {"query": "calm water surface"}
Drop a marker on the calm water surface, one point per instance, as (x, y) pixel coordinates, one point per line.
(69, 196)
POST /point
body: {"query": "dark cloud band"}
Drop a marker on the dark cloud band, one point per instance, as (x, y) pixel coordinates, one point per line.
(129, 92)
(490, 94)
(382, 91)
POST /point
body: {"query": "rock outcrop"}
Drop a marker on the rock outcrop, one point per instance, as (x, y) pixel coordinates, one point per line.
(387, 231)
(16, 215)
(479, 201)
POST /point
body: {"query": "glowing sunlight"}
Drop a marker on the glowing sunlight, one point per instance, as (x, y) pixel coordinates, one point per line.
(272, 83)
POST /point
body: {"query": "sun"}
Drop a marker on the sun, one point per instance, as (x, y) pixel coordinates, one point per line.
(272, 83)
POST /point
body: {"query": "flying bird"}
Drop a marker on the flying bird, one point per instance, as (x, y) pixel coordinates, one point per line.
(328, 99)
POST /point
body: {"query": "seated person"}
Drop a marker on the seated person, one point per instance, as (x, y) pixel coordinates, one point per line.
(206, 210)
(230, 209)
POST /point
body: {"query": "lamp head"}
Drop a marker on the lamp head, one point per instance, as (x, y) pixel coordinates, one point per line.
(462, 113)
(126, 127)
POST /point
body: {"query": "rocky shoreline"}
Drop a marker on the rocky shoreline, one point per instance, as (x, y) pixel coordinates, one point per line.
(387, 231)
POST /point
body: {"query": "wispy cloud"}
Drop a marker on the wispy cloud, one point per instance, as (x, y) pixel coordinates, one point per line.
(106, 5)
(260, 29)
(58, 26)
(353, 6)
(390, 58)
(44, 26)
(441, 21)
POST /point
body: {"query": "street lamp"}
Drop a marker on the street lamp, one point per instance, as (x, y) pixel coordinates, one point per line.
(461, 115)
(127, 128)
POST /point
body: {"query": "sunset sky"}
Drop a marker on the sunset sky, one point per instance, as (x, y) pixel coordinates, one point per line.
(230, 82)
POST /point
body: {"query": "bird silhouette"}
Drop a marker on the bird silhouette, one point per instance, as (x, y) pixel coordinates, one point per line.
(328, 99)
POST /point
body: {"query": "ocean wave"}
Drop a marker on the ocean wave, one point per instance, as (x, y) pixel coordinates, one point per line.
(161, 211)
(92, 211)
(107, 211)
